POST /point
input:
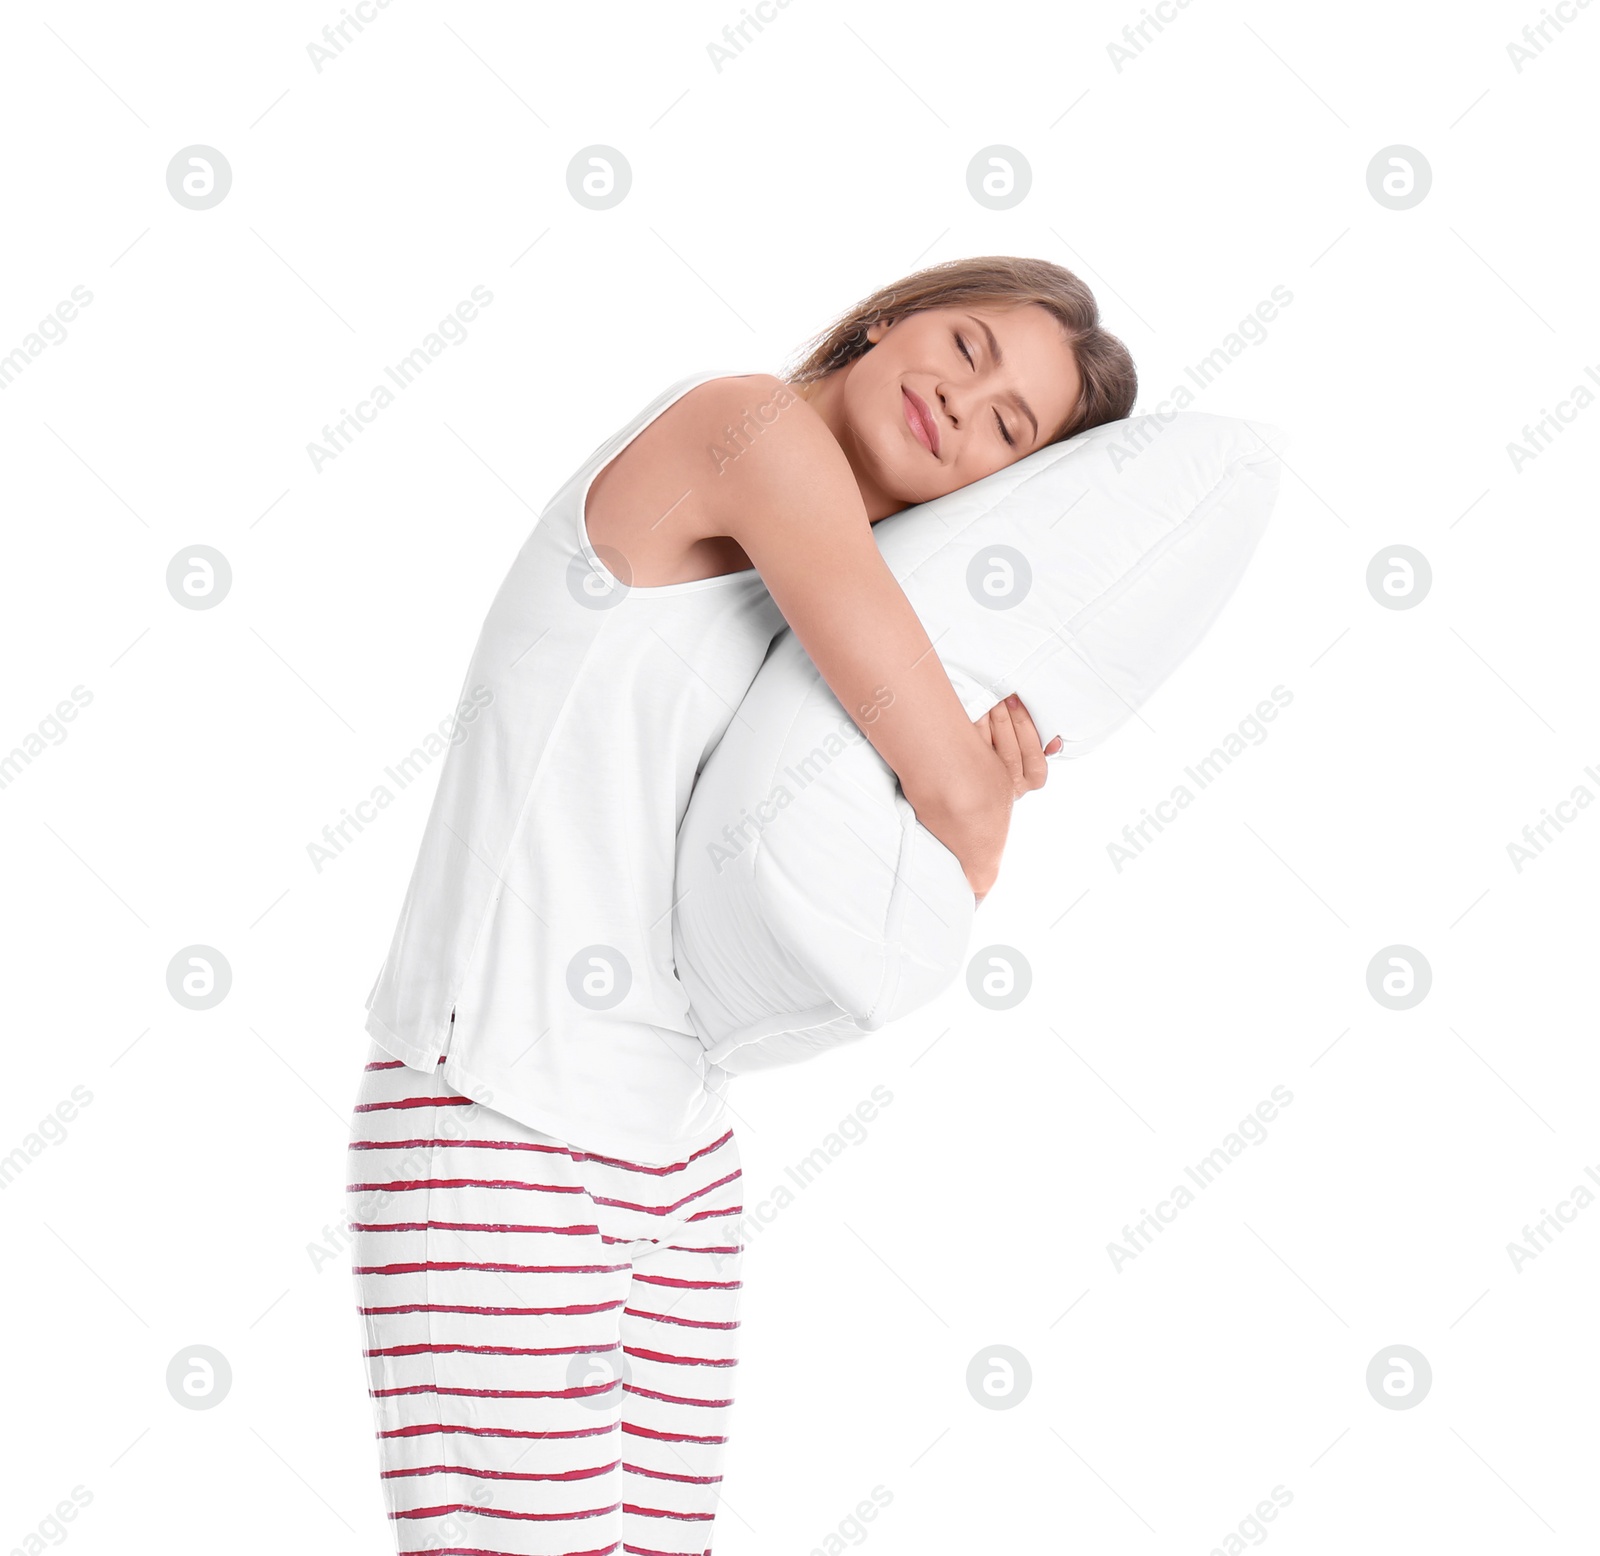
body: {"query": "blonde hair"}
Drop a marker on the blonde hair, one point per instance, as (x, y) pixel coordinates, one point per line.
(1110, 381)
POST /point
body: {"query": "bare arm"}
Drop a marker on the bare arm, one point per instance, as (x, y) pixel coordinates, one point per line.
(792, 505)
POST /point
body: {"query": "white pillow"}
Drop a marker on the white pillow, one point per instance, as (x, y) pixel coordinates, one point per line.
(812, 906)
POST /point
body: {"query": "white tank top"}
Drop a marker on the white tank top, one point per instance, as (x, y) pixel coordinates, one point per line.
(534, 946)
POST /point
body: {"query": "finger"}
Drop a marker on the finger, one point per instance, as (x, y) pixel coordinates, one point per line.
(1034, 771)
(1005, 744)
(1029, 755)
(1053, 747)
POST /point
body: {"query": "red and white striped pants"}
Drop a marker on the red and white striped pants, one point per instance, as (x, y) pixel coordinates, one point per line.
(550, 1335)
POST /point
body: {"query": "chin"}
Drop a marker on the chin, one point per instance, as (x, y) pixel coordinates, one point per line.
(912, 473)
(911, 491)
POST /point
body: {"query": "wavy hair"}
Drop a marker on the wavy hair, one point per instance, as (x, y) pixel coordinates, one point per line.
(1110, 381)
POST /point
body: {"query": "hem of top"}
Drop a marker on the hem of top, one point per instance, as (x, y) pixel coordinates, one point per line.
(774, 1026)
(600, 1141)
(416, 1055)
(626, 1147)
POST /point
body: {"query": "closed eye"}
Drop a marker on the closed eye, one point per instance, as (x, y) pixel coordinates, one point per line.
(962, 345)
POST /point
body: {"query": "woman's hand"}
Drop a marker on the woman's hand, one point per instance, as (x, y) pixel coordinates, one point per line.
(1012, 735)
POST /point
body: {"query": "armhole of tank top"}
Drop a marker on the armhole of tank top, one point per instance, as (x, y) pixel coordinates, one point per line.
(589, 471)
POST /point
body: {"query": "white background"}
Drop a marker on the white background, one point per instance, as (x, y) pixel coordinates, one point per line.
(184, 1204)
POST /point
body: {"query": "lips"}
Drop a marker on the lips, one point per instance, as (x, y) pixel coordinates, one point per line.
(920, 419)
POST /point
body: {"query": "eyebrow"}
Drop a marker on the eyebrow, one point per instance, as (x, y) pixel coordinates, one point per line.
(999, 358)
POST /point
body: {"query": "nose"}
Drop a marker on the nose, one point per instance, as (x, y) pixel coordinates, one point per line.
(949, 400)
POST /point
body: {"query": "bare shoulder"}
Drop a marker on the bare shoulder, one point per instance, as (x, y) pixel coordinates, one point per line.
(728, 462)
(764, 453)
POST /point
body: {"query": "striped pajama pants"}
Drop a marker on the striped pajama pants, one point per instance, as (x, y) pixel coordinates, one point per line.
(550, 1335)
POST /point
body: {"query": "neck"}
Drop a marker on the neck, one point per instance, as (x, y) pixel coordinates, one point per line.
(826, 397)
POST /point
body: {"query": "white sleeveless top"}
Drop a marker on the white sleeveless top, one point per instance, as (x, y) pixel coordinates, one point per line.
(539, 912)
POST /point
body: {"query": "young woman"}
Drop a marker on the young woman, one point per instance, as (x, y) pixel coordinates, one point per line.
(545, 1189)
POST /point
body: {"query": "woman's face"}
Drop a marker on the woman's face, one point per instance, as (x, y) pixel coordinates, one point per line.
(950, 395)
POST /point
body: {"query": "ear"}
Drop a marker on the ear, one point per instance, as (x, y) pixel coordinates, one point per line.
(875, 330)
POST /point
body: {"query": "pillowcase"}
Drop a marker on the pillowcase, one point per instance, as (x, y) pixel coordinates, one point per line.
(812, 906)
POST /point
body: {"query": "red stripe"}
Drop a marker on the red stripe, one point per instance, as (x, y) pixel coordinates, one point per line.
(445, 1100)
(437, 1389)
(477, 1550)
(402, 1184)
(615, 1161)
(492, 1350)
(491, 1145)
(676, 1399)
(495, 1512)
(677, 1204)
(655, 1242)
(492, 1393)
(669, 1437)
(493, 1431)
(687, 1480)
(470, 1226)
(511, 1269)
(686, 1323)
(688, 1285)
(662, 1512)
(463, 1469)
(572, 1310)
(680, 1361)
